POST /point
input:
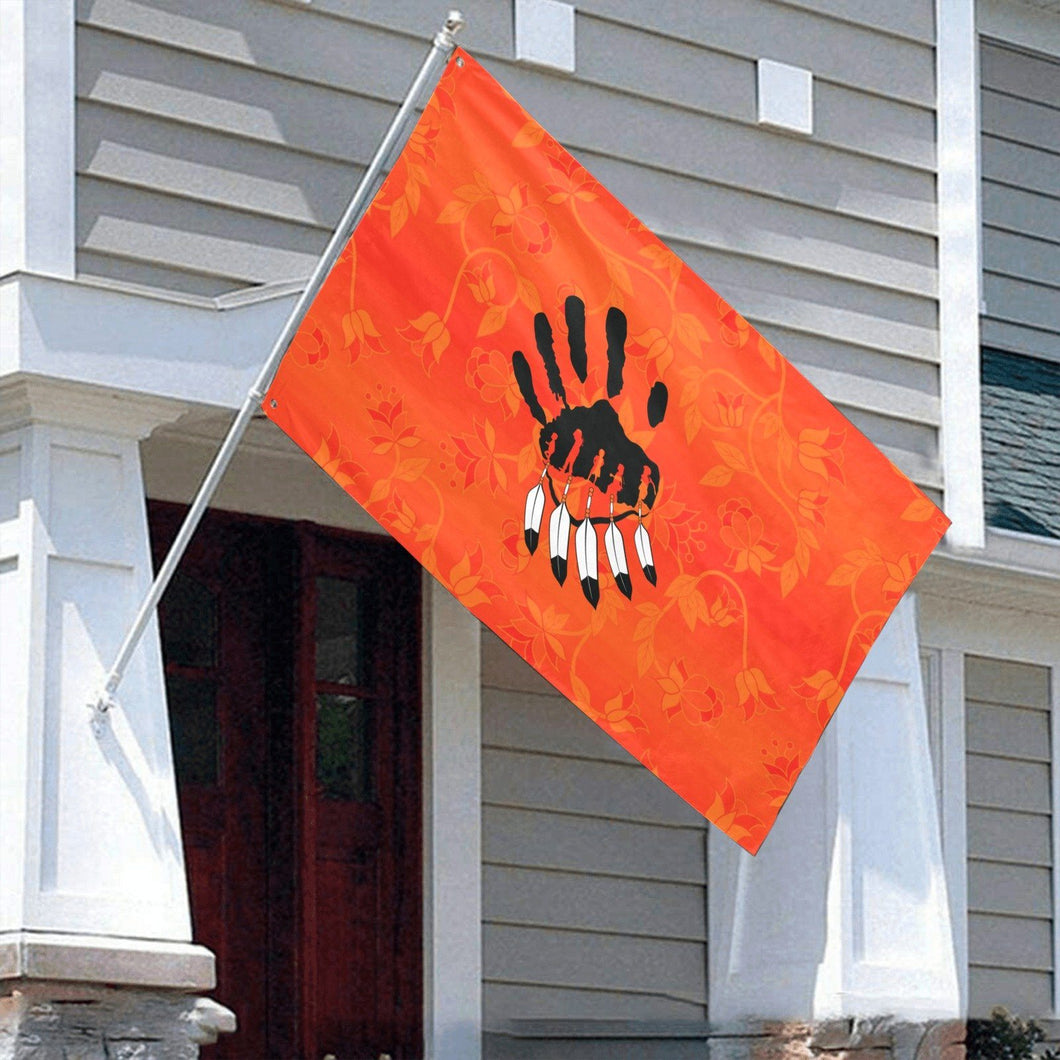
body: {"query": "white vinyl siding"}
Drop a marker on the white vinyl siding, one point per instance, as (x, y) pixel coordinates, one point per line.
(1020, 107)
(594, 873)
(1010, 857)
(216, 147)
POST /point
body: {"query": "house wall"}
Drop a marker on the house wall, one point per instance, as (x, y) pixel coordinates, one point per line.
(594, 873)
(216, 145)
(1021, 183)
(1010, 857)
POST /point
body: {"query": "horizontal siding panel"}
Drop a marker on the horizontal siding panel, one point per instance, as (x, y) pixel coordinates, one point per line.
(506, 1001)
(904, 340)
(521, 837)
(1002, 681)
(724, 85)
(1020, 302)
(687, 209)
(1020, 166)
(836, 51)
(853, 390)
(533, 898)
(145, 274)
(892, 434)
(662, 1047)
(1011, 942)
(890, 308)
(1007, 783)
(904, 18)
(200, 164)
(579, 959)
(740, 156)
(301, 44)
(243, 102)
(1028, 993)
(1008, 731)
(140, 224)
(599, 789)
(1016, 890)
(1018, 73)
(1019, 211)
(1021, 120)
(808, 350)
(1000, 835)
(1034, 342)
(549, 723)
(1024, 258)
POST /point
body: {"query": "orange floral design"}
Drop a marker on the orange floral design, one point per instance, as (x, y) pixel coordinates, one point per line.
(822, 693)
(570, 181)
(811, 506)
(469, 579)
(335, 459)
(735, 331)
(723, 609)
(391, 427)
(360, 334)
(537, 630)
(427, 334)
(742, 530)
(783, 769)
(477, 457)
(730, 408)
(820, 451)
(489, 373)
(754, 693)
(524, 222)
(620, 714)
(311, 347)
(689, 695)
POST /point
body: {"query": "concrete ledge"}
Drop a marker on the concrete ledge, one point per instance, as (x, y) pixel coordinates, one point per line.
(102, 959)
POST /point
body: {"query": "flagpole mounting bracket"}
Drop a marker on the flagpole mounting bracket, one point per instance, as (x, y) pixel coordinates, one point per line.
(454, 23)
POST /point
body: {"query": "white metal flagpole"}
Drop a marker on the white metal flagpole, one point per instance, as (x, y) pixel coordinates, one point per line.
(441, 49)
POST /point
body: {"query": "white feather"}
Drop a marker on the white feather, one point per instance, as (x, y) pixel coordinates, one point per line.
(535, 508)
(643, 545)
(616, 550)
(559, 532)
(585, 549)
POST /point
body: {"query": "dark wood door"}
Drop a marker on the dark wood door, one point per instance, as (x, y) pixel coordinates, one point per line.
(292, 674)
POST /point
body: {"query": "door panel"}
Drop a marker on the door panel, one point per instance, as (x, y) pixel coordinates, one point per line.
(291, 659)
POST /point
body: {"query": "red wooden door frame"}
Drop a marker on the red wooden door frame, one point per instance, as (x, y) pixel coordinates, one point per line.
(295, 555)
(393, 823)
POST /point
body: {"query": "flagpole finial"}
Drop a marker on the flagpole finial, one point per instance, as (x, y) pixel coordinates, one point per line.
(454, 23)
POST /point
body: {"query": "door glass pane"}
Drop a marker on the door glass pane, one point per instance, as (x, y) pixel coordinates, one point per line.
(193, 728)
(345, 748)
(342, 629)
(189, 623)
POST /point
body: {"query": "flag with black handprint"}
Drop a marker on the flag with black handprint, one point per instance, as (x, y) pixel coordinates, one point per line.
(601, 458)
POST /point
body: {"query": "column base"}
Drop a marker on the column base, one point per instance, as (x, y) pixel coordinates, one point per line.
(42, 1020)
(878, 1038)
(84, 997)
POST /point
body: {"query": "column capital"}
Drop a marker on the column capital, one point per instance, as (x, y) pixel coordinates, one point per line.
(33, 399)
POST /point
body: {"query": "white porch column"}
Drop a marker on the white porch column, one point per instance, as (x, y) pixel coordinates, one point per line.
(844, 911)
(92, 883)
(452, 828)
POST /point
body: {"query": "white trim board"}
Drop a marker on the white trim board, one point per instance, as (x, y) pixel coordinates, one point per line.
(959, 257)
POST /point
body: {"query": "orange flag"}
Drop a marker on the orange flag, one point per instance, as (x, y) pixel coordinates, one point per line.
(600, 458)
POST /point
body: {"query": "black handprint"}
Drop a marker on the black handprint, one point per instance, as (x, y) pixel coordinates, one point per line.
(582, 432)
(589, 442)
